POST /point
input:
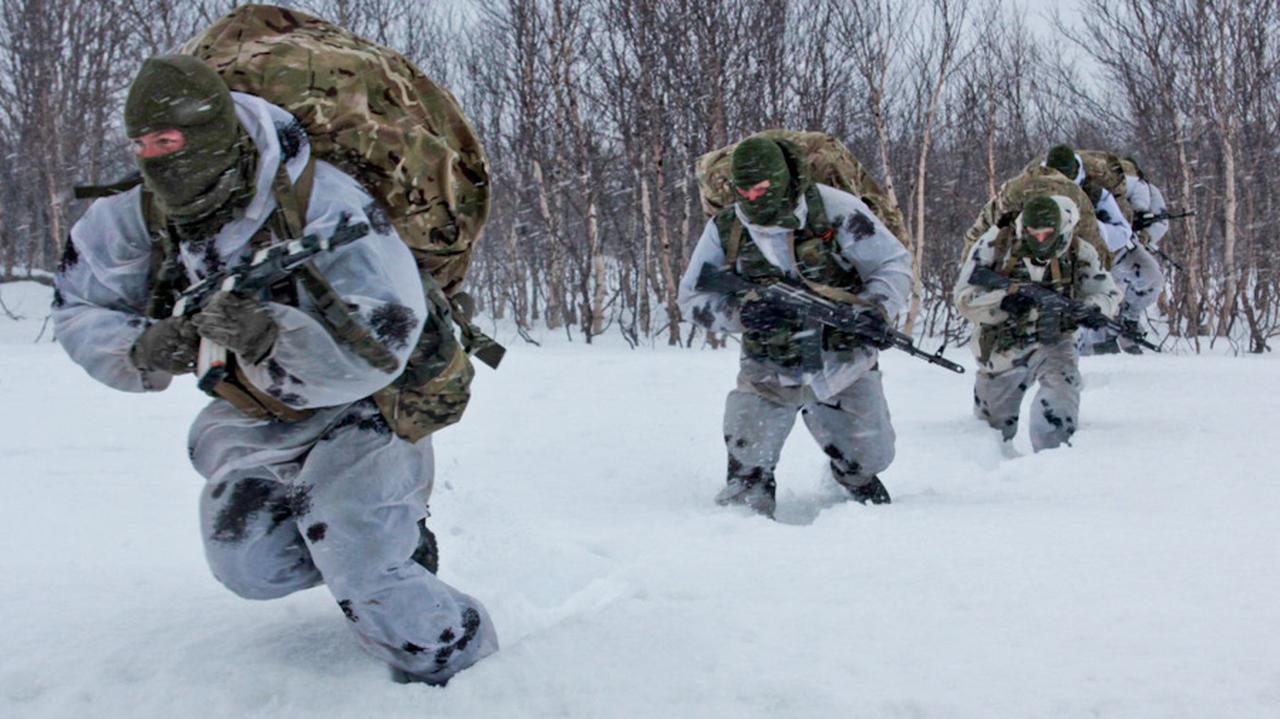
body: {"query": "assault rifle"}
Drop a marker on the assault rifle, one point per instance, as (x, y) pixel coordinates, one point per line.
(1143, 220)
(265, 268)
(1052, 304)
(820, 310)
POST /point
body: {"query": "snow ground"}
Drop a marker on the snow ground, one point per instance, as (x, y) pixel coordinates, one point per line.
(1134, 575)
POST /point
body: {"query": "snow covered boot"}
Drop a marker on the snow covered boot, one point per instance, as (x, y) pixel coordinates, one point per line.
(1128, 347)
(757, 492)
(400, 676)
(428, 552)
(864, 490)
(1107, 347)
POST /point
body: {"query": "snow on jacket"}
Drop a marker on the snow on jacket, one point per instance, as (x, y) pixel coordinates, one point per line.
(879, 258)
(102, 283)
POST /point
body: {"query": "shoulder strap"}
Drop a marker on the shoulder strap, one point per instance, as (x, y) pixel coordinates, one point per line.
(165, 271)
(294, 198)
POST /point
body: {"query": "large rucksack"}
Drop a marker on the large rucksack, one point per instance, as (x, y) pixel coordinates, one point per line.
(374, 115)
(1001, 210)
(830, 163)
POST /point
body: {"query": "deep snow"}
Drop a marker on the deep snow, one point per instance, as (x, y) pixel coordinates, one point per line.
(1132, 575)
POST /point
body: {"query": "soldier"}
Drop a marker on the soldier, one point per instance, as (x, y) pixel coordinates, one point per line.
(1036, 179)
(1101, 185)
(1135, 268)
(785, 226)
(1018, 341)
(322, 491)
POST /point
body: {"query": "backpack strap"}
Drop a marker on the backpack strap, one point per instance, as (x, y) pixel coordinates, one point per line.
(817, 224)
(164, 275)
(733, 243)
(293, 199)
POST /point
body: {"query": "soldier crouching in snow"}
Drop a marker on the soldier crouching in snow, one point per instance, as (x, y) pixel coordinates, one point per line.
(785, 226)
(1019, 340)
(315, 489)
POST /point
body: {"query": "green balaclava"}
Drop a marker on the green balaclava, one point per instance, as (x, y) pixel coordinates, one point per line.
(181, 92)
(1063, 159)
(1038, 214)
(755, 160)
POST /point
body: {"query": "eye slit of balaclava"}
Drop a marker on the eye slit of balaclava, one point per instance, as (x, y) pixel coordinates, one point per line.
(755, 160)
(1063, 159)
(1039, 213)
(181, 92)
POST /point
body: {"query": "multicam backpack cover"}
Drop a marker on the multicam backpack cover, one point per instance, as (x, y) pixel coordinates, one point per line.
(374, 115)
(830, 163)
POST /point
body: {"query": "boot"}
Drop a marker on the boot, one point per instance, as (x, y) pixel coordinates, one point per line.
(864, 490)
(1108, 347)
(757, 492)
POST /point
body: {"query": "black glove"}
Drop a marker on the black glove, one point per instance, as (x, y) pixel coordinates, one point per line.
(240, 324)
(170, 345)
(766, 314)
(1017, 304)
(881, 331)
(1094, 319)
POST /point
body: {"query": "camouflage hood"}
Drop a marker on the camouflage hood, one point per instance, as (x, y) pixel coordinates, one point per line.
(1069, 214)
(278, 138)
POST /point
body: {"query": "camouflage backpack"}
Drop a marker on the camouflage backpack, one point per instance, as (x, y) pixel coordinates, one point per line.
(830, 163)
(374, 115)
(1106, 171)
(1001, 210)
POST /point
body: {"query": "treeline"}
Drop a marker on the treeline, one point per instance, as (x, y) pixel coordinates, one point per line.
(594, 112)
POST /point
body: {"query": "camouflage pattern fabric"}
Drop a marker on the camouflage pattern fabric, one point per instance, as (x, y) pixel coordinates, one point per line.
(370, 112)
(1102, 171)
(374, 115)
(1105, 170)
(433, 391)
(1001, 210)
(830, 163)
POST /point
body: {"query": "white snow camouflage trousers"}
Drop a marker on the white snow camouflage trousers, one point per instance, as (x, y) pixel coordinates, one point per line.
(1055, 410)
(852, 427)
(343, 513)
(1138, 274)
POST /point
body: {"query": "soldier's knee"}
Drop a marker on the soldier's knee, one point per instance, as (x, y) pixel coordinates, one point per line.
(869, 457)
(254, 574)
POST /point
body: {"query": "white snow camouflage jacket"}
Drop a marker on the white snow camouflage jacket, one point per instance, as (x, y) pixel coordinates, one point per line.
(102, 281)
(981, 306)
(881, 261)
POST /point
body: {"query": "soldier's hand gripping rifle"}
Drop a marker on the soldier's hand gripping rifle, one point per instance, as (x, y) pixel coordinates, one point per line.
(1052, 304)
(821, 310)
(267, 267)
(1143, 220)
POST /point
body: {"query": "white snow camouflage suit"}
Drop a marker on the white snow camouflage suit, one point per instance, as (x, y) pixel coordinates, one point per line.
(843, 403)
(333, 499)
(1136, 270)
(1007, 370)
